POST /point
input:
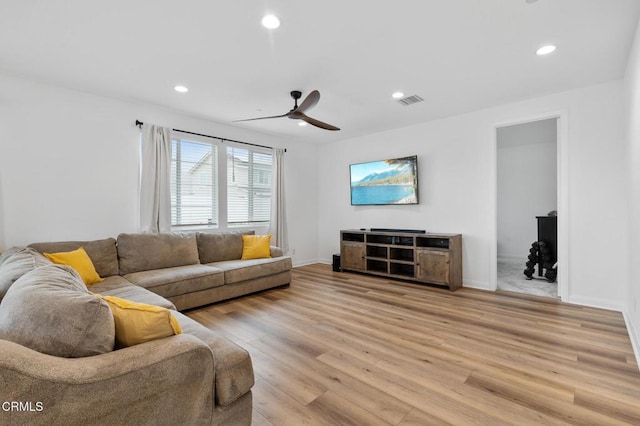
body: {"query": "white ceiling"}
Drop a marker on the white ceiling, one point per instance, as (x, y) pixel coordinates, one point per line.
(459, 55)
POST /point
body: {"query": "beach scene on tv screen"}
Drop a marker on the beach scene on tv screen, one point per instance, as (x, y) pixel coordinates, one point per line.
(384, 182)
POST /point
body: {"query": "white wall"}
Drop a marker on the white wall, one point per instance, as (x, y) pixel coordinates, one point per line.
(456, 165)
(69, 165)
(632, 91)
(527, 183)
(69, 170)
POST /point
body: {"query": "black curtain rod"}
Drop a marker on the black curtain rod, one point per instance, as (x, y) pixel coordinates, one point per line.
(140, 123)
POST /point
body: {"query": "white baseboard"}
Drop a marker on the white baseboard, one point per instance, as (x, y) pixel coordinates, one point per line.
(480, 285)
(633, 336)
(298, 263)
(610, 305)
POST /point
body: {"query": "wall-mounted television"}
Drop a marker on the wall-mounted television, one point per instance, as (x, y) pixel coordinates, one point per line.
(383, 182)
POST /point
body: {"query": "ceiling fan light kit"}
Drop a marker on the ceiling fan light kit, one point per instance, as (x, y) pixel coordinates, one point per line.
(298, 112)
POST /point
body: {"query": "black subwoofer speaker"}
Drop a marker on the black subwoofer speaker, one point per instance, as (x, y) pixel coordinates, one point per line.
(336, 263)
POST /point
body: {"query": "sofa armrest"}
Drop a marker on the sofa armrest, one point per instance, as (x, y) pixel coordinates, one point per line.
(135, 385)
(276, 251)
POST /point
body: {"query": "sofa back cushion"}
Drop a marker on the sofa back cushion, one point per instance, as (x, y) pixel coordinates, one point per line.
(144, 252)
(50, 311)
(103, 253)
(8, 253)
(16, 262)
(217, 247)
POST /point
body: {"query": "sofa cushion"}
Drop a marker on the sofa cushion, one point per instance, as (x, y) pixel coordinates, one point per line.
(102, 253)
(276, 251)
(138, 322)
(8, 253)
(16, 263)
(216, 247)
(256, 246)
(50, 310)
(233, 368)
(236, 271)
(78, 260)
(145, 252)
(169, 282)
(119, 287)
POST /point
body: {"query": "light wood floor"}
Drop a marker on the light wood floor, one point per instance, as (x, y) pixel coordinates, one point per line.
(342, 348)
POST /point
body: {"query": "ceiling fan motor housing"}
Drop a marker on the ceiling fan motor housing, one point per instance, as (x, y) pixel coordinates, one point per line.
(295, 94)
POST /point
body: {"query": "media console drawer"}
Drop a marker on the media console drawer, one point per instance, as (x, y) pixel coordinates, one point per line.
(422, 257)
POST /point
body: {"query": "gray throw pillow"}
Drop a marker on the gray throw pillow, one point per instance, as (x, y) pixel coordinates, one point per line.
(51, 311)
(19, 261)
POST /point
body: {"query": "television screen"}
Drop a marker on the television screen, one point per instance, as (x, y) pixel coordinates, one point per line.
(383, 182)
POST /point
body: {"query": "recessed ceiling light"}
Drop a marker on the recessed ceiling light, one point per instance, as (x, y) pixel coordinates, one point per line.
(181, 89)
(545, 50)
(302, 123)
(397, 95)
(270, 21)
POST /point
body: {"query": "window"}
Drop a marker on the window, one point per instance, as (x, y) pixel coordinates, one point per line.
(218, 190)
(194, 195)
(248, 187)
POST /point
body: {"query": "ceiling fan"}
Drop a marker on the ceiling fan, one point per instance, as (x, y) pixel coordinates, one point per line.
(298, 112)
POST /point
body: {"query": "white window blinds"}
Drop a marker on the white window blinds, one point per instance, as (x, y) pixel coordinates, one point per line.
(248, 187)
(194, 177)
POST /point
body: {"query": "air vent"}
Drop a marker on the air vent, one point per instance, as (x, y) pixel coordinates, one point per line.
(410, 100)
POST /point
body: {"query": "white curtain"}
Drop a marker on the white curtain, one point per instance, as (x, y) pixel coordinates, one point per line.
(278, 223)
(155, 179)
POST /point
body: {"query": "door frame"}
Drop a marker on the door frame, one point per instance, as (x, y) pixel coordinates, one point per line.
(562, 170)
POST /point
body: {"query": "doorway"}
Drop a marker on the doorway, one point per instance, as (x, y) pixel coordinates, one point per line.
(527, 204)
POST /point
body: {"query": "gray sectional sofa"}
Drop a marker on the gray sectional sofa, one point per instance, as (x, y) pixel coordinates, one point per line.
(197, 377)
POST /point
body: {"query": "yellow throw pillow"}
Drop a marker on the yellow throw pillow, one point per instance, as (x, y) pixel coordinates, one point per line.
(78, 260)
(256, 246)
(138, 323)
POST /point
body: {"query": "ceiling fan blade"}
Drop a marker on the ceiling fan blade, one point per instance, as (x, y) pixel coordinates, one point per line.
(261, 118)
(318, 123)
(309, 102)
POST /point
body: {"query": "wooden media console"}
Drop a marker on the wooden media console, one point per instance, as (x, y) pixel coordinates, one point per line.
(422, 257)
